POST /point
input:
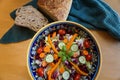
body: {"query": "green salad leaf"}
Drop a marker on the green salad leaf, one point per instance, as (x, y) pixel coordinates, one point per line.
(64, 54)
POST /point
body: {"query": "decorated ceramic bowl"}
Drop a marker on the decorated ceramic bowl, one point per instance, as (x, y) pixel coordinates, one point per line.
(64, 50)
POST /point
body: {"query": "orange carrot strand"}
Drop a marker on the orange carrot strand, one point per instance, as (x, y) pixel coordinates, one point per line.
(78, 70)
(71, 41)
(53, 69)
(53, 47)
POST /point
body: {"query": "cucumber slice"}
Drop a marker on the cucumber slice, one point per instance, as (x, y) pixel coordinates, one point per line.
(66, 75)
(74, 47)
(82, 59)
(49, 58)
(61, 44)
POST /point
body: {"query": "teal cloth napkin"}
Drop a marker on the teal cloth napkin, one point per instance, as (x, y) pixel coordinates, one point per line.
(93, 14)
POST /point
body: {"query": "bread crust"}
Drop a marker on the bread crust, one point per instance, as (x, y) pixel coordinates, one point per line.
(56, 9)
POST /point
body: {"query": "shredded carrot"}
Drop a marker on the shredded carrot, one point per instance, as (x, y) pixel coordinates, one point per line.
(78, 70)
(55, 56)
(53, 69)
(53, 35)
(42, 55)
(46, 49)
(71, 41)
(53, 47)
(51, 64)
(48, 72)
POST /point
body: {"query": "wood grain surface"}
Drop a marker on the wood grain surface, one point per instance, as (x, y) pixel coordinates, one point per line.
(13, 64)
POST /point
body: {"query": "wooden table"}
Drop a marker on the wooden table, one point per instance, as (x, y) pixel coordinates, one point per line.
(13, 56)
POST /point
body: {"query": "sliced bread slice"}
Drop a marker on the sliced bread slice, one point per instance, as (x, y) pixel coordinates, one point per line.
(30, 17)
(56, 9)
(31, 21)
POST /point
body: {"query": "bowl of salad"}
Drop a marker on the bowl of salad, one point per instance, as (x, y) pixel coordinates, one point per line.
(64, 50)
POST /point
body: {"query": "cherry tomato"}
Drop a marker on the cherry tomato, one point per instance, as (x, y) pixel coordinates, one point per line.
(39, 50)
(77, 77)
(89, 57)
(40, 72)
(62, 32)
(86, 43)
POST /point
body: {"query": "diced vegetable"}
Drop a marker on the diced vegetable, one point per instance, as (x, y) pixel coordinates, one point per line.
(49, 58)
(61, 44)
(86, 43)
(74, 47)
(76, 54)
(61, 37)
(46, 49)
(89, 57)
(85, 52)
(82, 59)
(66, 75)
(65, 40)
(62, 69)
(40, 72)
(66, 63)
(80, 41)
(54, 35)
(75, 60)
(62, 32)
(44, 63)
(37, 62)
(52, 64)
(42, 55)
(55, 56)
(55, 74)
(77, 77)
(39, 50)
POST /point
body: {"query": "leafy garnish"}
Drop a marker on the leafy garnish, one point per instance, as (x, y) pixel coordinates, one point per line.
(64, 54)
(64, 48)
(70, 53)
(60, 54)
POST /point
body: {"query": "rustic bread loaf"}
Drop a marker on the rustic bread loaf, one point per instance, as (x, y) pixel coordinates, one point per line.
(56, 9)
(30, 17)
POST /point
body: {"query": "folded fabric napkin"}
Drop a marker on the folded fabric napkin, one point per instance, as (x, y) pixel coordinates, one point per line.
(94, 14)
